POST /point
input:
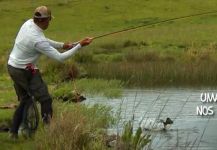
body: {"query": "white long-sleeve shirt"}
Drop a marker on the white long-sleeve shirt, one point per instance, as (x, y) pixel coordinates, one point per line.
(30, 43)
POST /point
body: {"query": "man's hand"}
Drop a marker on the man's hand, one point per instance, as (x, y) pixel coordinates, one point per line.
(68, 45)
(86, 41)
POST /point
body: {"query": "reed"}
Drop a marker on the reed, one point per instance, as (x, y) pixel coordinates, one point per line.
(156, 73)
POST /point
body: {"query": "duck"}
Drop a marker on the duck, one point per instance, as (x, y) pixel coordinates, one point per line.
(153, 125)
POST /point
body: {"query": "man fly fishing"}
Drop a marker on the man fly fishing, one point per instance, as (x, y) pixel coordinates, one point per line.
(29, 45)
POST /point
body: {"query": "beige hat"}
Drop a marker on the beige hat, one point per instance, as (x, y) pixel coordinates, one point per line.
(42, 12)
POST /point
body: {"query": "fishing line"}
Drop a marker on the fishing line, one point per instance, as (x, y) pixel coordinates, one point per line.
(154, 23)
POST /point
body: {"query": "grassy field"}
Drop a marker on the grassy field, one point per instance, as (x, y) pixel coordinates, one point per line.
(176, 53)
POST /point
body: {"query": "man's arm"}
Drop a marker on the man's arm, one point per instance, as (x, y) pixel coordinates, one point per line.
(55, 44)
(45, 48)
(61, 45)
(48, 50)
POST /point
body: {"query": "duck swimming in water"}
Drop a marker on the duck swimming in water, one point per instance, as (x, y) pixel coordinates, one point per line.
(153, 125)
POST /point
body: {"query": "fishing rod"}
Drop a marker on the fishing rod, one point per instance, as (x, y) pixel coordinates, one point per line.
(154, 23)
(149, 24)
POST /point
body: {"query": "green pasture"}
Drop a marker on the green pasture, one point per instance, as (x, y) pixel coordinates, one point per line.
(177, 43)
(176, 53)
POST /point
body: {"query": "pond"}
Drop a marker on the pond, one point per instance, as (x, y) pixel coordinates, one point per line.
(189, 130)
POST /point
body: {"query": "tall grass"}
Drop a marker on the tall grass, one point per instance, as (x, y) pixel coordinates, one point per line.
(157, 73)
(192, 66)
(81, 127)
(78, 127)
(131, 141)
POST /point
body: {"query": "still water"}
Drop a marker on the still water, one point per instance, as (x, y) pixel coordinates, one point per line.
(189, 130)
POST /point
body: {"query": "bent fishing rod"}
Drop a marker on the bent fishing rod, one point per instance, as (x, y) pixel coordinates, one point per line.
(154, 23)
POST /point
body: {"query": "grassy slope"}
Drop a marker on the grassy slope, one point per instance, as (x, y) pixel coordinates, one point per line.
(89, 18)
(76, 19)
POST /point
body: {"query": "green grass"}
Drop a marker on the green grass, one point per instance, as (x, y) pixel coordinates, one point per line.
(97, 87)
(21, 144)
(7, 96)
(177, 53)
(76, 19)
